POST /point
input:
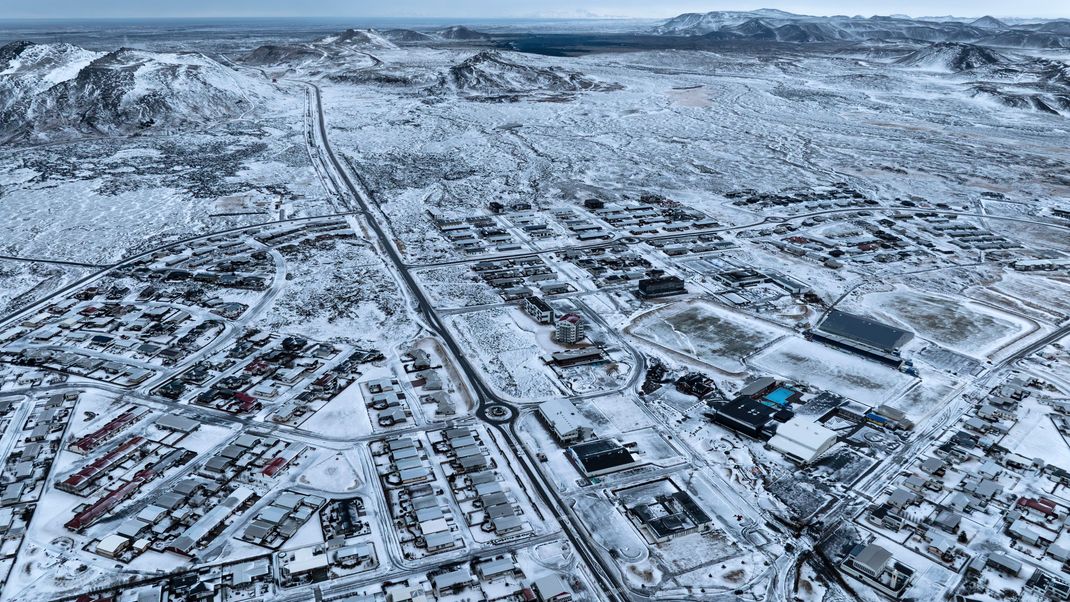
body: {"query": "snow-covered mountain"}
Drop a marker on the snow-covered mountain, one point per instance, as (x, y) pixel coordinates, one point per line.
(987, 22)
(276, 54)
(954, 57)
(333, 54)
(58, 90)
(405, 36)
(1015, 81)
(690, 24)
(360, 38)
(1022, 98)
(27, 69)
(461, 33)
(488, 75)
(775, 25)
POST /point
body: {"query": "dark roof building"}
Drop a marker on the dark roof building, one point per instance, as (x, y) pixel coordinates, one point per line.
(750, 417)
(601, 457)
(670, 515)
(864, 331)
(661, 287)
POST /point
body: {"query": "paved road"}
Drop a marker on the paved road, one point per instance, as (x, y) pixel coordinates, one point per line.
(6, 320)
(606, 575)
(77, 264)
(723, 229)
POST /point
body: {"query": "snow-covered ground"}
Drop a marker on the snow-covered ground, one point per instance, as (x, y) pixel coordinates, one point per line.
(849, 177)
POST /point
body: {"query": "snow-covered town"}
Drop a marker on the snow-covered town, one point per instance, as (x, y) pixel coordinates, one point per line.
(729, 306)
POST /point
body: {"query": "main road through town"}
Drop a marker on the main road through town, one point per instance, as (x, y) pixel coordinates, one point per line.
(606, 576)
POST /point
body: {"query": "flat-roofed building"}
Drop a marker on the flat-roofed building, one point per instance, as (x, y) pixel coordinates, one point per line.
(802, 440)
(539, 309)
(565, 421)
(112, 546)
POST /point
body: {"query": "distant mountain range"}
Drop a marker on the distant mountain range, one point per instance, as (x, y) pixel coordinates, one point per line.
(333, 52)
(779, 26)
(386, 38)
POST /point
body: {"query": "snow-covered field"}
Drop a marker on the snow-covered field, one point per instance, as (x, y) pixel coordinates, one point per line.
(708, 333)
(341, 290)
(508, 355)
(794, 121)
(22, 283)
(969, 328)
(826, 368)
(100, 200)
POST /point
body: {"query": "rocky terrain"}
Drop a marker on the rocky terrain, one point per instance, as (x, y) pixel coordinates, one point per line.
(50, 91)
(490, 76)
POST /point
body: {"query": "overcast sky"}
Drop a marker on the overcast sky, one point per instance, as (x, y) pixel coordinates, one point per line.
(512, 8)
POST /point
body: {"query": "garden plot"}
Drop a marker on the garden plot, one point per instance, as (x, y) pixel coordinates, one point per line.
(966, 327)
(708, 333)
(832, 370)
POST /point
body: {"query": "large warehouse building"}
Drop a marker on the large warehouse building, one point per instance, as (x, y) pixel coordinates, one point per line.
(864, 336)
(802, 440)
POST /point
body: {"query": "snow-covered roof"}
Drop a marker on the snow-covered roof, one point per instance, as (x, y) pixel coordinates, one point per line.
(112, 544)
(563, 417)
(802, 439)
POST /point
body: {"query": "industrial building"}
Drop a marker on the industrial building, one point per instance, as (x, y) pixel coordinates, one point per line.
(667, 516)
(864, 336)
(602, 457)
(750, 417)
(577, 357)
(565, 421)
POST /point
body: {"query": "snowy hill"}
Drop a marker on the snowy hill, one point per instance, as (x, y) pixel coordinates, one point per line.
(490, 76)
(27, 69)
(119, 92)
(461, 33)
(404, 36)
(690, 24)
(1023, 99)
(275, 54)
(359, 38)
(988, 22)
(953, 57)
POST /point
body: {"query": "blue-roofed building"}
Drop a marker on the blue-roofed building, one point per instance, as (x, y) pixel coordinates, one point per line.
(781, 397)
